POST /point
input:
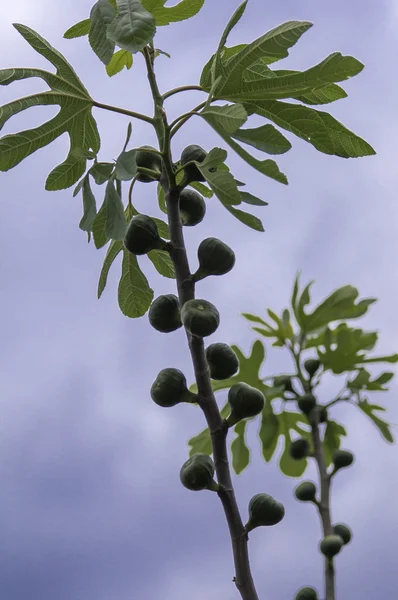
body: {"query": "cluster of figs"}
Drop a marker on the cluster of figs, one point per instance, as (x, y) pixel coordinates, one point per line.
(300, 449)
(200, 319)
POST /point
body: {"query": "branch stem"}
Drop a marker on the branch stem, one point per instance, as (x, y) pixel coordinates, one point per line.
(123, 111)
(206, 400)
(182, 88)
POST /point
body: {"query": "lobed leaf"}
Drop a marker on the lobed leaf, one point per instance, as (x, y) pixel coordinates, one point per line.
(74, 117)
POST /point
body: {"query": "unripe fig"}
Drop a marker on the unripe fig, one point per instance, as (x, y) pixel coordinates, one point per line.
(222, 360)
(264, 510)
(192, 208)
(342, 458)
(142, 235)
(311, 365)
(193, 152)
(331, 545)
(343, 531)
(299, 449)
(197, 473)
(306, 403)
(200, 318)
(215, 258)
(306, 593)
(245, 401)
(164, 313)
(170, 388)
(148, 160)
(305, 492)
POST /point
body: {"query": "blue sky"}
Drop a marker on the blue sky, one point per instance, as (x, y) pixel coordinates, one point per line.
(91, 503)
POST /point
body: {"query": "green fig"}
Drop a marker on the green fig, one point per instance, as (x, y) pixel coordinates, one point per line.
(264, 510)
(343, 531)
(222, 360)
(331, 545)
(299, 449)
(245, 401)
(305, 491)
(197, 473)
(200, 318)
(170, 388)
(164, 313)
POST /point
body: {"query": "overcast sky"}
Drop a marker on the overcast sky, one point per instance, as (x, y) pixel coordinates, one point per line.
(91, 507)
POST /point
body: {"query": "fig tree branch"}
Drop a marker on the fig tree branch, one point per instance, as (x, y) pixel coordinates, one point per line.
(183, 88)
(206, 400)
(324, 479)
(123, 111)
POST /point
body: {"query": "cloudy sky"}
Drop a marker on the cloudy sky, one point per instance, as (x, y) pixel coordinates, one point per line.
(91, 503)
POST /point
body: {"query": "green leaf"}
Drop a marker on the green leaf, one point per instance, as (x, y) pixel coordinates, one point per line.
(362, 381)
(221, 182)
(133, 27)
(116, 224)
(90, 208)
(240, 452)
(74, 117)
(101, 172)
(99, 227)
(162, 262)
(205, 79)
(269, 431)
(382, 426)
(246, 218)
(202, 189)
(318, 128)
(78, 30)
(101, 15)
(163, 228)
(254, 319)
(392, 358)
(339, 305)
(303, 301)
(134, 294)
(216, 66)
(115, 247)
(252, 200)
(230, 117)
(295, 291)
(126, 166)
(128, 135)
(265, 138)
(266, 167)
(332, 439)
(333, 68)
(270, 47)
(162, 199)
(324, 95)
(346, 356)
(166, 15)
(121, 58)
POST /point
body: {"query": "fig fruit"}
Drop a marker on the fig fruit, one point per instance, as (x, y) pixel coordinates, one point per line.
(148, 160)
(264, 510)
(170, 388)
(222, 360)
(331, 545)
(299, 449)
(245, 401)
(305, 491)
(142, 235)
(196, 153)
(164, 313)
(192, 208)
(215, 258)
(200, 318)
(197, 473)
